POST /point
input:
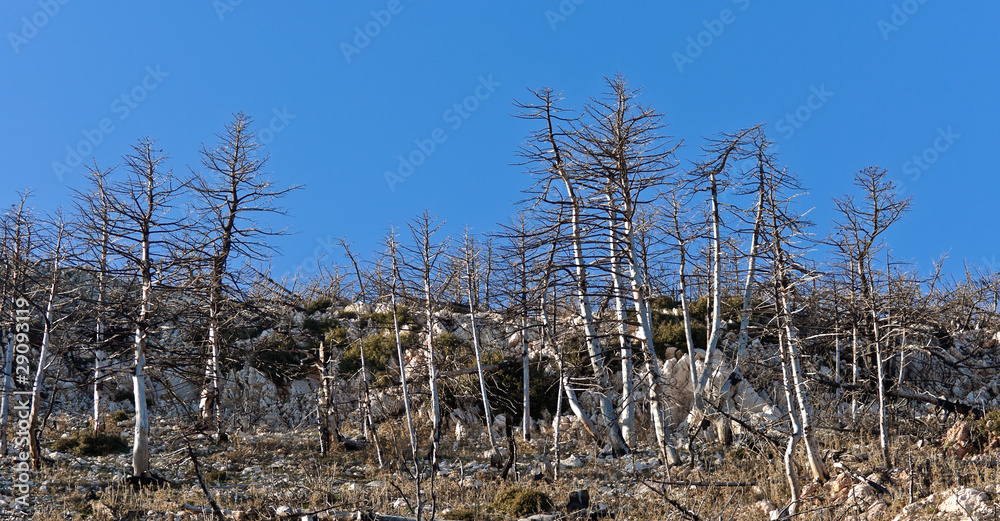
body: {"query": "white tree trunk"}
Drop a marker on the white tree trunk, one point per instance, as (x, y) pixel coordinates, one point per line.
(482, 377)
(610, 420)
(816, 464)
(140, 443)
(36, 386)
(621, 317)
(571, 398)
(5, 391)
(795, 430)
(751, 269)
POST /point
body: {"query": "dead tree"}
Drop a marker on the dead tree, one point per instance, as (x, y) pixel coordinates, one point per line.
(233, 193)
(859, 241)
(149, 240)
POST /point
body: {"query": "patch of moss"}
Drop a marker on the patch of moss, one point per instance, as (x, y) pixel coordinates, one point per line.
(467, 514)
(520, 502)
(216, 476)
(379, 349)
(317, 305)
(90, 443)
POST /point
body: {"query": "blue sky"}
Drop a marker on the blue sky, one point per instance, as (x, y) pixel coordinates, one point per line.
(842, 85)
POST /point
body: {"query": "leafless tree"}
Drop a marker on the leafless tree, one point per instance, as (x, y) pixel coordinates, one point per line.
(234, 194)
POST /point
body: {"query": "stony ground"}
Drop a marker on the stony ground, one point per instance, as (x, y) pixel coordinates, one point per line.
(272, 475)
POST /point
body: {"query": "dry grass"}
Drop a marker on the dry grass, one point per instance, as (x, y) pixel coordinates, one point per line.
(265, 470)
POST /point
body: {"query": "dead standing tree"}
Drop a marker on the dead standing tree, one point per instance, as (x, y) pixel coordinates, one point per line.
(233, 192)
(859, 241)
(424, 253)
(620, 151)
(558, 186)
(148, 239)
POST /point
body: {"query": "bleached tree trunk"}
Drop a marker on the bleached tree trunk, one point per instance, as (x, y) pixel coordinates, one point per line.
(621, 317)
(402, 375)
(36, 386)
(423, 230)
(13, 259)
(610, 421)
(883, 437)
(795, 434)
(854, 371)
(326, 435)
(571, 398)
(758, 222)
(660, 427)
(6, 390)
(715, 326)
(470, 269)
(525, 374)
(140, 443)
(816, 464)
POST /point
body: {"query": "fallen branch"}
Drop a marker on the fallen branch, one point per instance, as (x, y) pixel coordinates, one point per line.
(948, 405)
(705, 483)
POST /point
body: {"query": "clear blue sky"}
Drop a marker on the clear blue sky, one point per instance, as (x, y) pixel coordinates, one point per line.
(895, 77)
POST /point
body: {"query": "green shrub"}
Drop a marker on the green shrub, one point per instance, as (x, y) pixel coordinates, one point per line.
(384, 320)
(216, 476)
(521, 502)
(119, 416)
(320, 328)
(317, 305)
(379, 349)
(450, 345)
(505, 388)
(90, 443)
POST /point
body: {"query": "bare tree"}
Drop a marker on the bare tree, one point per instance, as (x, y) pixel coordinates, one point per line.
(559, 185)
(148, 239)
(425, 252)
(234, 193)
(48, 322)
(17, 230)
(620, 147)
(859, 240)
(471, 274)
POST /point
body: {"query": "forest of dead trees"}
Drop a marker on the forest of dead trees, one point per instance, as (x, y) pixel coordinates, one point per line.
(619, 258)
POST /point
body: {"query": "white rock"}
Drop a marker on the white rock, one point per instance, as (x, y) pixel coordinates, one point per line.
(572, 462)
(966, 501)
(285, 511)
